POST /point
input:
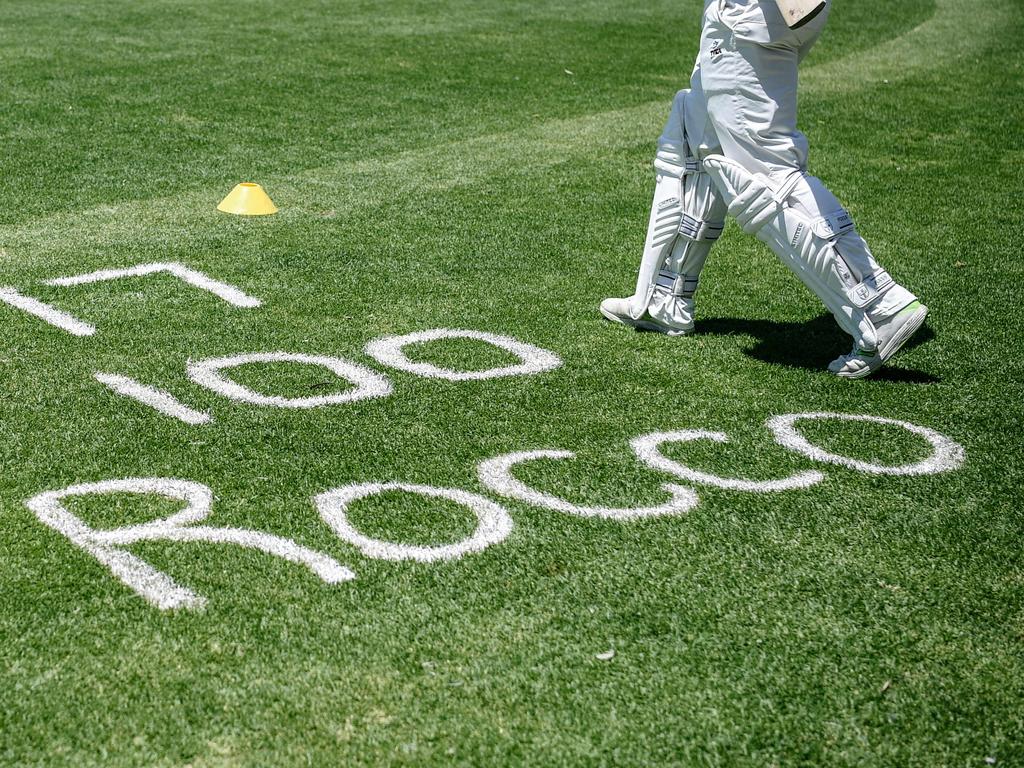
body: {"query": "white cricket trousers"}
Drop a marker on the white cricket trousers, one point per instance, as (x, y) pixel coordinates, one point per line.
(746, 77)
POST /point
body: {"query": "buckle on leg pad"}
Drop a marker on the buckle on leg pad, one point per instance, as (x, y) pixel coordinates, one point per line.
(869, 289)
(680, 286)
(833, 224)
(693, 228)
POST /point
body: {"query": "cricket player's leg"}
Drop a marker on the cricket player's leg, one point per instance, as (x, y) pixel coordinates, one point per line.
(687, 216)
(749, 61)
(828, 255)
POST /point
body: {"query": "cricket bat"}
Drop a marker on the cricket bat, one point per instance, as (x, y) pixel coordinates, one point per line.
(799, 12)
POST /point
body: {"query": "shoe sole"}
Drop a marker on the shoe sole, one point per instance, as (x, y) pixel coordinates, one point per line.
(643, 325)
(895, 344)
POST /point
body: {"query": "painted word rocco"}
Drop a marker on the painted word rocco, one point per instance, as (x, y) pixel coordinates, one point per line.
(494, 523)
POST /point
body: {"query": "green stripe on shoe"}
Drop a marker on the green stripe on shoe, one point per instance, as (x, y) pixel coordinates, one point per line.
(910, 308)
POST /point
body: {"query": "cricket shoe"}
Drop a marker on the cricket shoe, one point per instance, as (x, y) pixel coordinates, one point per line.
(892, 335)
(617, 310)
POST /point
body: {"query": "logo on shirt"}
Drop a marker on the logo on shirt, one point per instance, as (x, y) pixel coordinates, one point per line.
(716, 48)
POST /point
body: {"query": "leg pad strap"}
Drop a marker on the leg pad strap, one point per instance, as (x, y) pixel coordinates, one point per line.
(693, 228)
(867, 290)
(680, 286)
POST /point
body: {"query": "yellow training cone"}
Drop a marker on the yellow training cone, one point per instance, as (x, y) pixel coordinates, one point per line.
(247, 199)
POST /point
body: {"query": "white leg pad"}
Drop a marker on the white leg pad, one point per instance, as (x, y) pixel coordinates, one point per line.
(803, 223)
(687, 216)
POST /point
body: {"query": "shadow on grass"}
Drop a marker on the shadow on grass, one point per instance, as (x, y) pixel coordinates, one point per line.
(811, 345)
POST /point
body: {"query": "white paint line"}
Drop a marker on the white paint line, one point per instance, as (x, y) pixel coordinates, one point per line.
(368, 383)
(389, 351)
(647, 449)
(45, 312)
(153, 585)
(157, 399)
(328, 569)
(947, 455)
(493, 523)
(229, 293)
(496, 475)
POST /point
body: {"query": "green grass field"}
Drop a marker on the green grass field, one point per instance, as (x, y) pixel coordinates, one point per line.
(486, 166)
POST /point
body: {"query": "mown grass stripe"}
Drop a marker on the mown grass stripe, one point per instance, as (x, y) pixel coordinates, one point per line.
(957, 28)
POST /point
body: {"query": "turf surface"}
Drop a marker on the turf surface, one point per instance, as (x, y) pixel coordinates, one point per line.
(486, 165)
